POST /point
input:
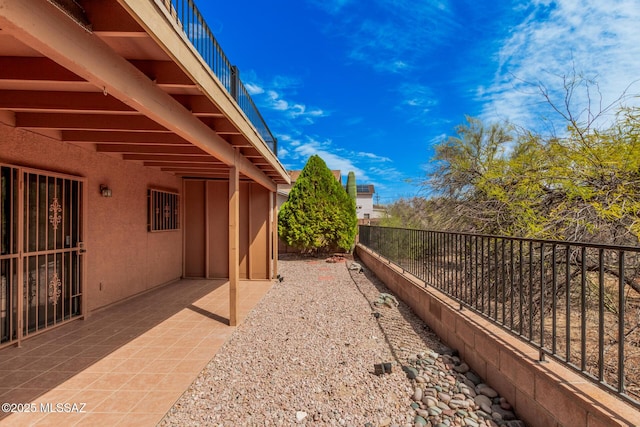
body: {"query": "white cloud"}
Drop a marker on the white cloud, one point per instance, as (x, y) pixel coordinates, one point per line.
(598, 40)
(389, 174)
(370, 168)
(282, 152)
(372, 156)
(253, 89)
(437, 139)
(417, 100)
(417, 95)
(331, 157)
(288, 83)
(291, 110)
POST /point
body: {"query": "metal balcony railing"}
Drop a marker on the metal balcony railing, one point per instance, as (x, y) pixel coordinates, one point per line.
(576, 303)
(188, 17)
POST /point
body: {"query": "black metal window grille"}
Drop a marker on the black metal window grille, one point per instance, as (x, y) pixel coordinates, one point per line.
(164, 211)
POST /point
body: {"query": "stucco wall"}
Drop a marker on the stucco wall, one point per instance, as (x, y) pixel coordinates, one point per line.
(122, 258)
(365, 204)
(207, 205)
(543, 394)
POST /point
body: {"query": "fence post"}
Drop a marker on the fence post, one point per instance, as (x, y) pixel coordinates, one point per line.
(235, 78)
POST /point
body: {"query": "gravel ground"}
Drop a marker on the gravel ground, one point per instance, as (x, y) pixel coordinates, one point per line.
(306, 354)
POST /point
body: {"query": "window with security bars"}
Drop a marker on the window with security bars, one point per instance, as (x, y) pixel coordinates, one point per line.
(164, 211)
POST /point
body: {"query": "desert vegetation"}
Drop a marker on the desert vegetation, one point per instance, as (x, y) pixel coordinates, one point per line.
(580, 184)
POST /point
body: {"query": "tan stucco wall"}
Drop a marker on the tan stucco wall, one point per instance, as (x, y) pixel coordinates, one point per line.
(218, 199)
(121, 254)
(259, 232)
(210, 199)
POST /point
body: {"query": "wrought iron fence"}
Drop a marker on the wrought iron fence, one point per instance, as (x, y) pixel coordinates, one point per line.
(576, 303)
(188, 17)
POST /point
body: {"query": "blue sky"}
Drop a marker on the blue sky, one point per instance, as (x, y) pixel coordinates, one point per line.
(372, 85)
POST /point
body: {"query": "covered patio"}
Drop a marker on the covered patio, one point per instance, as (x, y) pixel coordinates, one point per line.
(126, 364)
(130, 157)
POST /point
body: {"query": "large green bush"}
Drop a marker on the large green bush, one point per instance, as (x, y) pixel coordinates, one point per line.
(319, 214)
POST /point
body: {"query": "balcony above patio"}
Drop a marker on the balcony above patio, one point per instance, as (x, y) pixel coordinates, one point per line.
(131, 79)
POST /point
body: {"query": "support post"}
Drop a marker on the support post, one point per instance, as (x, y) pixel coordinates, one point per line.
(234, 244)
(274, 234)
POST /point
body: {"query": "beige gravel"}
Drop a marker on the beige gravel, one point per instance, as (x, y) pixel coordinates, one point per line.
(306, 355)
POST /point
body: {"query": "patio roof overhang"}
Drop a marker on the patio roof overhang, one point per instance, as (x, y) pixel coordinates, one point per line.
(121, 77)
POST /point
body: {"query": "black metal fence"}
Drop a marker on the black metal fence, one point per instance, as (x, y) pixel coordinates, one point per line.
(577, 303)
(188, 17)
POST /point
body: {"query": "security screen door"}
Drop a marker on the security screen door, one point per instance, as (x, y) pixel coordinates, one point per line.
(41, 267)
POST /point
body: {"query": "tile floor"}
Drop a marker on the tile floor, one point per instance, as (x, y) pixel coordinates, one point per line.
(124, 365)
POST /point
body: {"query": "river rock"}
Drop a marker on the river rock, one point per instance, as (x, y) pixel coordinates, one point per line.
(412, 373)
(504, 404)
(461, 368)
(419, 421)
(444, 397)
(486, 390)
(457, 403)
(443, 406)
(473, 378)
(501, 414)
(430, 401)
(471, 422)
(423, 413)
(482, 399)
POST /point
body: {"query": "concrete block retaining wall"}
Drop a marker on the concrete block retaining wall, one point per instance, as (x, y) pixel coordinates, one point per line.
(543, 394)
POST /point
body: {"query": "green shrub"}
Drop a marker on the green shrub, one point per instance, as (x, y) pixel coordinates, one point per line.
(319, 214)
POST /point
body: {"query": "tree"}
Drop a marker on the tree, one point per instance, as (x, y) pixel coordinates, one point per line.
(472, 178)
(319, 215)
(352, 189)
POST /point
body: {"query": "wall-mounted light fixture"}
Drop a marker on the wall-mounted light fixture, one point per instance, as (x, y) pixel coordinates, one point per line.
(105, 191)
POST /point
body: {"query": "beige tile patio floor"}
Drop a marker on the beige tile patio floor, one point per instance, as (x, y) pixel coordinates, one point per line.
(124, 365)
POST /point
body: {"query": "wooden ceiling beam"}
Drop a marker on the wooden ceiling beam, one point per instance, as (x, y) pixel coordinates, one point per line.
(195, 164)
(150, 149)
(195, 170)
(115, 137)
(69, 102)
(222, 175)
(221, 126)
(164, 73)
(87, 121)
(173, 158)
(199, 105)
(28, 68)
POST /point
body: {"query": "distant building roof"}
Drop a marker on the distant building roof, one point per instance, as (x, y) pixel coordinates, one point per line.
(365, 189)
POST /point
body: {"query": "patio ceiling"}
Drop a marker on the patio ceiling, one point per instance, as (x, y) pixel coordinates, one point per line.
(120, 78)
